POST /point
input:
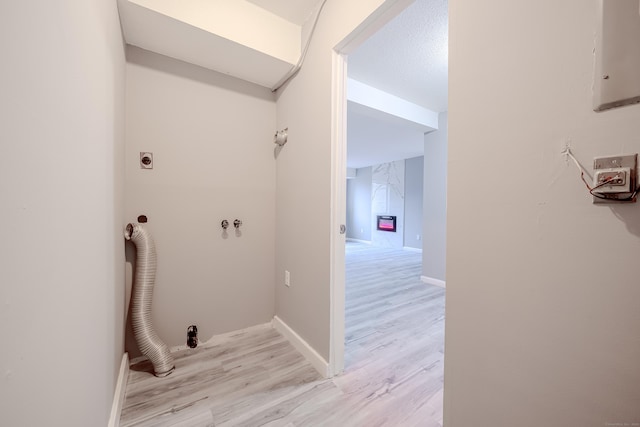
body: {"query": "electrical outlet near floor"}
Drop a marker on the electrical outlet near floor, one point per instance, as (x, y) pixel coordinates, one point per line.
(287, 278)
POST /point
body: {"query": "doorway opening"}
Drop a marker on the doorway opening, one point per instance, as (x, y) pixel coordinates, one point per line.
(387, 305)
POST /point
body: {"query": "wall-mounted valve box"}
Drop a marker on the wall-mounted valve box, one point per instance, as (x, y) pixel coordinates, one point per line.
(615, 179)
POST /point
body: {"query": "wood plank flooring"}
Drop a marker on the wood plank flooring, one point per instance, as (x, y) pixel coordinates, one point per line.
(393, 363)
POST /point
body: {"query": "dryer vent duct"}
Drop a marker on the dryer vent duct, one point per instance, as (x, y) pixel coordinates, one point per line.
(148, 340)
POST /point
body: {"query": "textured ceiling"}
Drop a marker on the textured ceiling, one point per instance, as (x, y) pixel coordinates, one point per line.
(408, 57)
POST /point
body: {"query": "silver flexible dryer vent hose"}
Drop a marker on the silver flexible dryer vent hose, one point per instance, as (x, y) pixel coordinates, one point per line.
(148, 341)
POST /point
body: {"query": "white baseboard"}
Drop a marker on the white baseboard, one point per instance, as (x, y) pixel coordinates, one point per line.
(410, 249)
(350, 239)
(302, 346)
(432, 281)
(118, 395)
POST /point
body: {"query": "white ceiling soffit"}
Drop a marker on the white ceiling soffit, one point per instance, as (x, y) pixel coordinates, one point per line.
(375, 139)
(233, 37)
(297, 11)
(397, 109)
(408, 57)
(382, 128)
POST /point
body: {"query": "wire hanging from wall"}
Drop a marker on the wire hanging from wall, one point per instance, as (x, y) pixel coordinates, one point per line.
(567, 152)
(298, 66)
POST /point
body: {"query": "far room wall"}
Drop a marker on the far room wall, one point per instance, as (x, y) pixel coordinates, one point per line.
(413, 201)
(397, 191)
(359, 205)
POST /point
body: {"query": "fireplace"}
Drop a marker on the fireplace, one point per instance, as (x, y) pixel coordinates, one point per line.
(387, 223)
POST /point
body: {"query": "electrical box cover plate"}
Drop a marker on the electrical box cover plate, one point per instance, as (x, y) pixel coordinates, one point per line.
(623, 163)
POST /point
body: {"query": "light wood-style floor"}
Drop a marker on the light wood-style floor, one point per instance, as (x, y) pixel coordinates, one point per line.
(393, 363)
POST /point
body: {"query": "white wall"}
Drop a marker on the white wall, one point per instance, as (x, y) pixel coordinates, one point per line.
(304, 179)
(359, 205)
(434, 219)
(211, 138)
(61, 246)
(413, 189)
(542, 286)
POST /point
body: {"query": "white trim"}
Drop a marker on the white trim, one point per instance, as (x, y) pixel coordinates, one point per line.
(366, 242)
(302, 346)
(338, 213)
(410, 249)
(383, 14)
(432, 281)
(118, 395)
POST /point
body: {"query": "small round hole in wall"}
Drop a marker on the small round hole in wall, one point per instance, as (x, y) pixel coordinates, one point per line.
(146, 160)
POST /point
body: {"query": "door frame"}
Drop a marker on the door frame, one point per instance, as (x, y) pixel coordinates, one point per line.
(338, 204)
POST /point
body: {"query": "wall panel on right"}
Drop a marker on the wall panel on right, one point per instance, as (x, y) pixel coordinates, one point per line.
(542, 326)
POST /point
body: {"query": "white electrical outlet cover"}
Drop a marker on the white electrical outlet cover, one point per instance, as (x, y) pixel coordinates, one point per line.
(621, 188)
